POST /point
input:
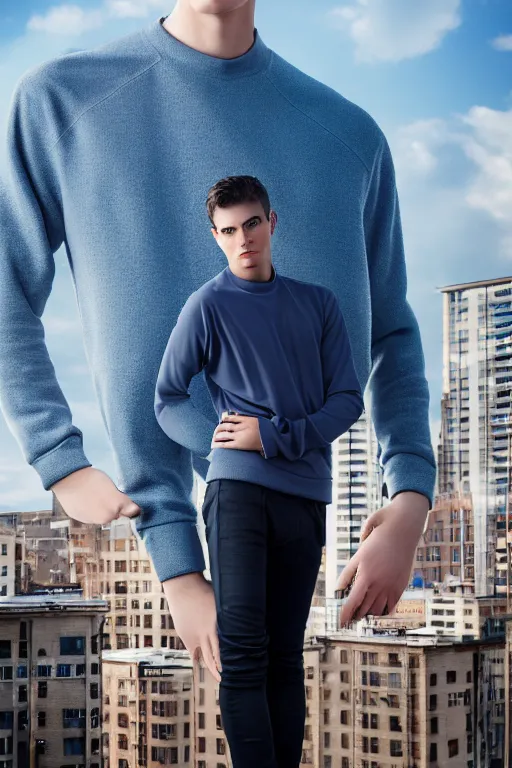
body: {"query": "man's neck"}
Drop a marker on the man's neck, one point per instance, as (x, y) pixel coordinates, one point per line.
(224, 36)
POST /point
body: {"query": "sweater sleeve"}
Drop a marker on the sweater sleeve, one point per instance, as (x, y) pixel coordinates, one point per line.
(343, 403)
(185, 356)
(31, 230)
(397, 384)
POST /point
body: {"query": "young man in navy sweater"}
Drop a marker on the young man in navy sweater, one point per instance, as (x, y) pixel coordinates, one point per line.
(276, 354)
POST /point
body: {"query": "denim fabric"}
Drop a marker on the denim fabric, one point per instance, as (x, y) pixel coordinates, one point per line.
(265, 550)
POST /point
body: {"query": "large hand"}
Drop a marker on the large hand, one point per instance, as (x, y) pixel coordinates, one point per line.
(239, 432)
(90, 496)
(381, 568)
(192, 605)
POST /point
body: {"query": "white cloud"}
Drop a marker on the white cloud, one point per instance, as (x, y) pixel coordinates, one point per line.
(489, 146)
(392, 30)
(136, 8)
(69, 20)
(483, 138)
(72, 20)
(502, 43)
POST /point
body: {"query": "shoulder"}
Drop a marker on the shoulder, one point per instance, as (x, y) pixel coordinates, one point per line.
(346, 121)
(317, 296)
(64, 88)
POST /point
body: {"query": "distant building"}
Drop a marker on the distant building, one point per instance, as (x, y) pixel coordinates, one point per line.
(148, 708)
(50, 681)
(474, 453)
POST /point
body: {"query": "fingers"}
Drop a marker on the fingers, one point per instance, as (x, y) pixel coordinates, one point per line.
(208, 658)
(214, 644)
(379, 606)
(354, 600)
(130, 510)
(347, 575)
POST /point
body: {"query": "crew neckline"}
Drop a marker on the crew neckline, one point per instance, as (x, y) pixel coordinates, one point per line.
(172, 49)
(253, 286)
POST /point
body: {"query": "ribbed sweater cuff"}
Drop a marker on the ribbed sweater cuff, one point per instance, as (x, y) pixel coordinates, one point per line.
(174, 548)
(410, 472)
(61, 461)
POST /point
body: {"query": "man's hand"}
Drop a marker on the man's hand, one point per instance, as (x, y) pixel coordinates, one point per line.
(239, 432)
(90, 496)
(192, 606)
(381, 568)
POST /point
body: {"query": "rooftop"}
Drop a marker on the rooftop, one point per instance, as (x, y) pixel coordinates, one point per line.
(154, 657)
(60, 602)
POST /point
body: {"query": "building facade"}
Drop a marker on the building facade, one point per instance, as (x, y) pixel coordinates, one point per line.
(50, 681)
(474, 448)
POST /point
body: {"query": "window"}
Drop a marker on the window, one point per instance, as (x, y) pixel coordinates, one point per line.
(395, 748)
(5, 673)
(72, 646)
(21, 672)
(451, 676)
(201, 744)
(95, 669)
(95, 747)
(42, 689)
(5, 649)
(221, 747)
(41, 719)
(6, 719)
(73, 718)
(94, 690)
(4, 570)
(63, 670)
(122, 741)
(433, 752)
(22, 719)
(453, 747)
(80, 670)
(433, 679)
(44, 670)
(4, 549)
(122, 720)
(394, 723)
(201, 720)
(432, 702)
(95, 717)
(22, 693)
(345, 741)
(74, 746)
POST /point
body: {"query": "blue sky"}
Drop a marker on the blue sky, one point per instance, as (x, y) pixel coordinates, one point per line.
(435, 75)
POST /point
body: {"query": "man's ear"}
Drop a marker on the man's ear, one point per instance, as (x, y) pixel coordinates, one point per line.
(273, 221)
(214, 232)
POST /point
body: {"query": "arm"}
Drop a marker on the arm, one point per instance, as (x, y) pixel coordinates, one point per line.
(397, 383)
(31, 230)
(343, 403)
(184, 357)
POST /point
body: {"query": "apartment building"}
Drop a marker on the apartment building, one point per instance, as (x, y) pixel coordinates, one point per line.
(474, 449)
(357, 492)
(50, 681)
(446, 548)
(7, 560)
(390, 701)
(148, 701)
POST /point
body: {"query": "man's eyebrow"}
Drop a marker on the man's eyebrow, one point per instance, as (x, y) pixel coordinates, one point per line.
(256, 216)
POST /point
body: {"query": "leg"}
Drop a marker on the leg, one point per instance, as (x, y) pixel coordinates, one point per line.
(295, 552)
(236, 532)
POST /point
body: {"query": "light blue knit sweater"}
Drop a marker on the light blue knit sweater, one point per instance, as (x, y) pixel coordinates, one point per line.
(111, 152)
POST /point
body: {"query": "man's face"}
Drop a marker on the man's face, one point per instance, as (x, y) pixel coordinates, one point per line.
(243, 232)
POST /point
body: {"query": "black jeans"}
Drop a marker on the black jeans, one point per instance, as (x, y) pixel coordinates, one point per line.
(265, 550)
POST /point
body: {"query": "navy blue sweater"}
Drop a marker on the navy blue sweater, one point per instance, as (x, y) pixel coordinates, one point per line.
(277, 350)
